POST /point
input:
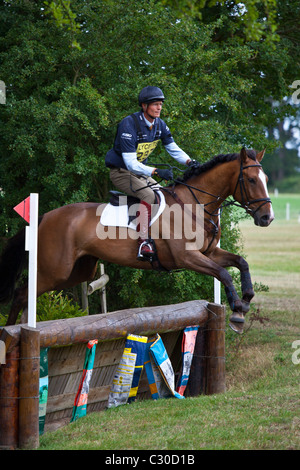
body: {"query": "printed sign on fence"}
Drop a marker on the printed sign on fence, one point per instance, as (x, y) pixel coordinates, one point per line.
(126, 380)
(44, 383)
(161, 358)
(80, 403)
(187, 349)
(157, 385)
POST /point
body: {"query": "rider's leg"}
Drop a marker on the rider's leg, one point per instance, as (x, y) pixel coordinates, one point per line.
(137, 186)
(133, 185)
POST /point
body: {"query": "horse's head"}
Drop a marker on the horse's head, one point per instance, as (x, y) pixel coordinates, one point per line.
(251, 189)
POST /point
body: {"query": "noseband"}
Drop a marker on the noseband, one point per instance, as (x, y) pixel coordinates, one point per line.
(245, 203)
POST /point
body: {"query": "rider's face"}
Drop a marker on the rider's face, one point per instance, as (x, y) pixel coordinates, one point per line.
(152, 110)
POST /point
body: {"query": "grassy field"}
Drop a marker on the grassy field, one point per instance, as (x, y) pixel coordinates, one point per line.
(273, 254)
(260, 409)
(280, 206)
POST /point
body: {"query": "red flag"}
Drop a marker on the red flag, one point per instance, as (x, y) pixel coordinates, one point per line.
(23, 209)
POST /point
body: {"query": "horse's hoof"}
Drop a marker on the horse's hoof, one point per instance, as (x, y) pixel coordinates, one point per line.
(245, 306)
(237, 327)
(237, 317)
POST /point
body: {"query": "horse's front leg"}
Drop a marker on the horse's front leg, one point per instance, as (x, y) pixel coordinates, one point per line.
(226, 260)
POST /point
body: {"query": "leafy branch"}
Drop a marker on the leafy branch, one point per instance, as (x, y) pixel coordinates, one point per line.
(64, 17)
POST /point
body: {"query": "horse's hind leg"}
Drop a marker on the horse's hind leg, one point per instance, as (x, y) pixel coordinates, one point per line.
(19, 303)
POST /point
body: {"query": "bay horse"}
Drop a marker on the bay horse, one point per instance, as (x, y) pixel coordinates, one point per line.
(69, 248)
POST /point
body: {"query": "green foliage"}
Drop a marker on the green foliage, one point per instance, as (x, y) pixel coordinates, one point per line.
(64, 17)
(56, 305)
(137, 288)
(255, 18)
(283, 166)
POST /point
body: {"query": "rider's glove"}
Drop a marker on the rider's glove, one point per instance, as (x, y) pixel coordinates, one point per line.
(164, 174)
(193, 164)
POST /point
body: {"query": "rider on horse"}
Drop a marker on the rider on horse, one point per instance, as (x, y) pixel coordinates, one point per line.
(137, 136)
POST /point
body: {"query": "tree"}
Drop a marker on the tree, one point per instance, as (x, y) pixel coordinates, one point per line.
(284, 166)
(253, 19)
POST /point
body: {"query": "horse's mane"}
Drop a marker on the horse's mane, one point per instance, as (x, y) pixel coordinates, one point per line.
(221, 158)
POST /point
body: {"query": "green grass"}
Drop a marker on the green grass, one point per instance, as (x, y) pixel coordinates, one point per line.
(273, 252)
(256, 420)
(280, 203)
(260, 409)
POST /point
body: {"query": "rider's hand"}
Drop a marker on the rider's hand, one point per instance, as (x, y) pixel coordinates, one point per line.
(164, 174)
(193, 164)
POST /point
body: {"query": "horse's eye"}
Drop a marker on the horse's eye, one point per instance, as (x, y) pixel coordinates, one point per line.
(251, 180)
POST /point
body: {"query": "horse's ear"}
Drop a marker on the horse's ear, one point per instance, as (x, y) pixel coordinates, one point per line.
(243, 155)
(260, 155)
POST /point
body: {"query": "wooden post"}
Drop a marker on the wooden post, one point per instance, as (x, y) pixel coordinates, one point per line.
(208, 367)
(100, 284)
(9, 401)
(215, 350)
(103, 292)
(29, 388)
(84, 297)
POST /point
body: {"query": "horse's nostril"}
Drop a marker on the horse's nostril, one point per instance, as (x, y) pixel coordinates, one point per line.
(265, 220)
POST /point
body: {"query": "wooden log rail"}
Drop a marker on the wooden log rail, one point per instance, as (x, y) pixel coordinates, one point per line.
(19, 377)
(140, 321)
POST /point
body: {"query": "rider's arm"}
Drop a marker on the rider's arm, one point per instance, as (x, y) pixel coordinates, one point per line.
(179, 155)
(171, 147)
(132, 164)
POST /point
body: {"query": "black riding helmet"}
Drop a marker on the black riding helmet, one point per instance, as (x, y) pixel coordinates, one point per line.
(149, 94)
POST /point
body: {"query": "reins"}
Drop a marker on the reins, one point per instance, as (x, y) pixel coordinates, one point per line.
(240, 183)
(245, 203)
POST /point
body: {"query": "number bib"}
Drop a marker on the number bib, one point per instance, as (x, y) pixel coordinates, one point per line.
(144, 149)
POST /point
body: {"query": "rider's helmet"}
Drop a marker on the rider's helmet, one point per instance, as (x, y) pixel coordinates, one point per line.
(149, 94)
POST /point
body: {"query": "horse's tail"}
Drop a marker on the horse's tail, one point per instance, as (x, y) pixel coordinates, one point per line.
(12, 263)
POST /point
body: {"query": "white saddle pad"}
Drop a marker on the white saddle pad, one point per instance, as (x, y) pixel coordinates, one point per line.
(119, 216)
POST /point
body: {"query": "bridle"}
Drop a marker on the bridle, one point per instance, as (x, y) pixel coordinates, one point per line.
(244, 196)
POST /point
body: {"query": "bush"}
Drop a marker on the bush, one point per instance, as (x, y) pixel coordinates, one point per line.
(55, 305)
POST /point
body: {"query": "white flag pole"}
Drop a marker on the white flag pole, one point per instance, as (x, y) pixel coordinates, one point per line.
(32, 246)
(217, 284)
